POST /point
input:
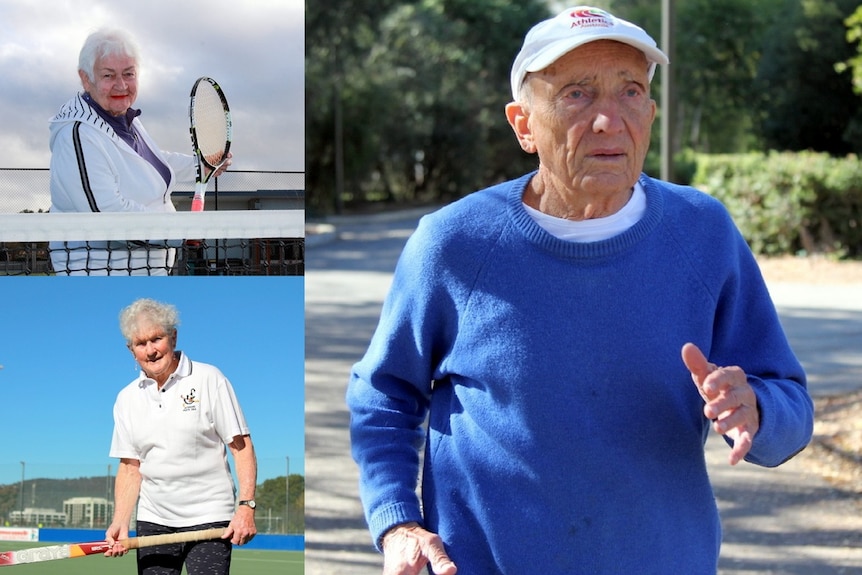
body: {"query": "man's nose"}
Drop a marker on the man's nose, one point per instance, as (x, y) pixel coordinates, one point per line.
(608, 116)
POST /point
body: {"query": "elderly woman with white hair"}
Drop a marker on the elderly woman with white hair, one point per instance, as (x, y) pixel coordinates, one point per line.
(173, 426)
(103, 160)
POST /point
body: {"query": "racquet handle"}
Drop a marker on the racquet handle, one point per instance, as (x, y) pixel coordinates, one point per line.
(199, 197)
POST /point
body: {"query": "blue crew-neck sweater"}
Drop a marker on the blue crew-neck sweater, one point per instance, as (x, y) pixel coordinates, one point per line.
(564, 433)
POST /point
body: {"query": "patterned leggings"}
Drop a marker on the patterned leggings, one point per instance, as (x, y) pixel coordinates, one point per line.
(200, 558)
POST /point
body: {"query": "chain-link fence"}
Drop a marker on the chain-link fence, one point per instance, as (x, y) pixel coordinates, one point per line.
(28, 189)
(24, 189)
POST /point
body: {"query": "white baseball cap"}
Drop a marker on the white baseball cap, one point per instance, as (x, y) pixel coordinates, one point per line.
(550, 39)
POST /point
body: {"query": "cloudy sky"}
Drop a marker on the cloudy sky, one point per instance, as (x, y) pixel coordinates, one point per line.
(255, 50)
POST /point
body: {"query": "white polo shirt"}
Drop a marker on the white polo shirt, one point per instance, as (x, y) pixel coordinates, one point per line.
(180, 435)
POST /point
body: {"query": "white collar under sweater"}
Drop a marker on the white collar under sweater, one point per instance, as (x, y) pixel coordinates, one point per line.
(597, 229)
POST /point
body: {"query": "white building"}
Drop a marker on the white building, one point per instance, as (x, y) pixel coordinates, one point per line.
(38, 516)
(88, 512)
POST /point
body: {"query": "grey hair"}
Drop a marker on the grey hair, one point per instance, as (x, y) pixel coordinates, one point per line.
(105, 42)
(525, 93)
(151, 311)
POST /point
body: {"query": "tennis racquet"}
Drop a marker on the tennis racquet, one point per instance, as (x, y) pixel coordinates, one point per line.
(38, 554)
(210, 130)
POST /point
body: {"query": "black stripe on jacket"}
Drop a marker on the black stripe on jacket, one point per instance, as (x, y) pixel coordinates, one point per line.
(82, 167)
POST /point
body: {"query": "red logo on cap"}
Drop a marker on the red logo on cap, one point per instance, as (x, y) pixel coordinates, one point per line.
(591, 18)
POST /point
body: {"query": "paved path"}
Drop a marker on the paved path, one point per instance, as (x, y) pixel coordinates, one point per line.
(782, 521)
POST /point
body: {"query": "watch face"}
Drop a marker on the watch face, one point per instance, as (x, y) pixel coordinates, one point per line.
(251, 503)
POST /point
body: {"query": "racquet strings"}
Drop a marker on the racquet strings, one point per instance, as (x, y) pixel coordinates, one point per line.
(210, 124)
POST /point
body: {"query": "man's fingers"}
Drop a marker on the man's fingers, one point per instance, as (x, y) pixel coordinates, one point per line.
(738, 418)
(432, 549)
(696, 363)
(440, 562)
(727, 399)
(741, 446)
(407, 548)
(730, 401)
(739, 422)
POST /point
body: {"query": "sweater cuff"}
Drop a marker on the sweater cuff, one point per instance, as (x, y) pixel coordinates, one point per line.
(780, 435)
(385, 518)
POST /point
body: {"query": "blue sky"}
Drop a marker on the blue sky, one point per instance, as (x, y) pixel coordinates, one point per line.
(64, 361)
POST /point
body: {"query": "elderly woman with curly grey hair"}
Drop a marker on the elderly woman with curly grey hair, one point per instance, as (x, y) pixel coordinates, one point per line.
(173, 427)
(103, 160)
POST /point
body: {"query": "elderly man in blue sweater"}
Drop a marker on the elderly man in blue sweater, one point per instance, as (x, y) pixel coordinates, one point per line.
(563, 343)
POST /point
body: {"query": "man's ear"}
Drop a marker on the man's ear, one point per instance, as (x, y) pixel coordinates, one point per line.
(519, 120)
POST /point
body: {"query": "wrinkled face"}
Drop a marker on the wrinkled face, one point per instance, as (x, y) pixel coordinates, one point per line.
(115, 83)
(153, 349)
(589, 117)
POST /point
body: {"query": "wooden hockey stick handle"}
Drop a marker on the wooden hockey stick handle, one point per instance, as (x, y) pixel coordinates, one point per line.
(181, 537)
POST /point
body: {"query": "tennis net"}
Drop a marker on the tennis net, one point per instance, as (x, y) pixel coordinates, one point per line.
(253, 242)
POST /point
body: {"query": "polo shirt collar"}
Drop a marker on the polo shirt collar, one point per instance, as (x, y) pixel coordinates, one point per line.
(184, 369)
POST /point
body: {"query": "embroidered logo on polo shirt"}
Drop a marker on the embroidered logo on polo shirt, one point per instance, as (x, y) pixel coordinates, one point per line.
(190, 400)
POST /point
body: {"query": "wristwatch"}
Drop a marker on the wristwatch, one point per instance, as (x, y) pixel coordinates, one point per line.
(250, 502)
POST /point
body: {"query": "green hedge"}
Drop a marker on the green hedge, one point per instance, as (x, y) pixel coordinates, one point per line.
(789, 203)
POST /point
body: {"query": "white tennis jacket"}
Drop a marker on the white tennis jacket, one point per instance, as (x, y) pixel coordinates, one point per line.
(94, 170)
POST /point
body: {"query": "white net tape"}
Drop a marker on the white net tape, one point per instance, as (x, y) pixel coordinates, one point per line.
(264, 242)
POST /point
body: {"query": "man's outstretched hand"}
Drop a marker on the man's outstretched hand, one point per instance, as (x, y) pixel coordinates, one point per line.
(731, 404)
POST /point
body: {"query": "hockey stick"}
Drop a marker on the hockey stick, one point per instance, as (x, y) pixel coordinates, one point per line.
(38, 554)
